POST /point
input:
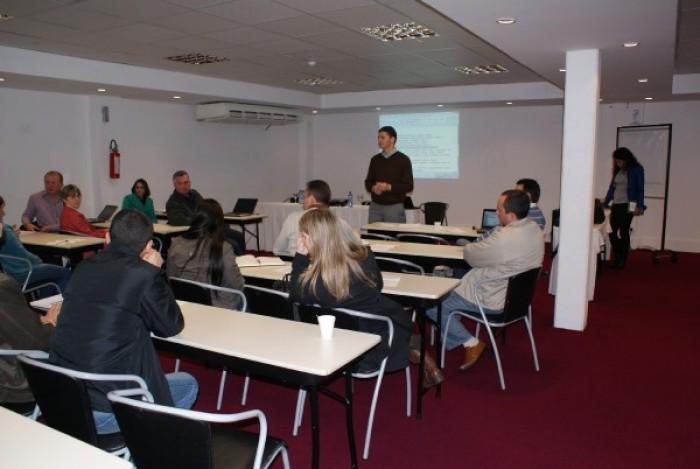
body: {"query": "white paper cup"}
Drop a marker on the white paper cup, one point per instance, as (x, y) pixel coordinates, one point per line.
(437, 223)
(326, 323)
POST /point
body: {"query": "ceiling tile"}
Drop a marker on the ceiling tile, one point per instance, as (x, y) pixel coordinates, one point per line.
(357, 18)
(243, 35)
(142, 32)
(351, 42)
(453, 57)
(286, 46)
(80, 18)
(320, 55)
(300, 26)
(194, 22)
(135, 10)
(20, 8)
(252, 11)
(16, 40)
(317, 6)
(196, 4)
(193, 43)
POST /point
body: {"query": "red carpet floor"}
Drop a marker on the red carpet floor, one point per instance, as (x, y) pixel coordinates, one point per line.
(625, 393)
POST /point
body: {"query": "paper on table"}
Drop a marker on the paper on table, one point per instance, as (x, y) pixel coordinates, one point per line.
(252, 261)
(382, 247)
(390, 280)
(284, 270)
(45, 303)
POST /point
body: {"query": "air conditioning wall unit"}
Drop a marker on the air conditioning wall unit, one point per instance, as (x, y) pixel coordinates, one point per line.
(235, 113)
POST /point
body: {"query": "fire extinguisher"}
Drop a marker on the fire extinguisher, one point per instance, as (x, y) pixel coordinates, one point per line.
(114, 160)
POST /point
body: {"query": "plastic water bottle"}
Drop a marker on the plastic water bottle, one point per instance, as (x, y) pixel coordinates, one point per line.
(350, 199)
(300, 197)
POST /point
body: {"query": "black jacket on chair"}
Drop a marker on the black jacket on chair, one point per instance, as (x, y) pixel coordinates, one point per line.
(112, 304)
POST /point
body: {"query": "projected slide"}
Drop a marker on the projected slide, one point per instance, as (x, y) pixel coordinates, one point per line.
(430, 139)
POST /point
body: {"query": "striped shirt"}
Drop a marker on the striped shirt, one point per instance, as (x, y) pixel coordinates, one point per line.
(536, 215)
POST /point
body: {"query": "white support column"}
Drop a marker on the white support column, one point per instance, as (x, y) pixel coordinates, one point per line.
(578, 164)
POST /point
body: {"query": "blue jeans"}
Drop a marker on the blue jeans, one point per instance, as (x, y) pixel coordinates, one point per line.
(457, 334)
(395, 213)
(46, 273)
(183, 388)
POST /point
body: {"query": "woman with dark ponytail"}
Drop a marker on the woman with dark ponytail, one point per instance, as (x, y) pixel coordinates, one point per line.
(205, 255)
(626, 192)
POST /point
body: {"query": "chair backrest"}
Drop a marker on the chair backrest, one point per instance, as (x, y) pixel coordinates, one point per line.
(435, 212)
(199, 292)
(421, 238)
(267, 302)
(166, 437)
(157, 243)
(378, 236)
(389, 264)
(521, 290)
(63, 398)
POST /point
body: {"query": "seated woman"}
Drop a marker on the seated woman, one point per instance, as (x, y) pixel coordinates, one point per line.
(204, 254)
(140, 199)
(10, 245)
(71, 219)
(333, 269)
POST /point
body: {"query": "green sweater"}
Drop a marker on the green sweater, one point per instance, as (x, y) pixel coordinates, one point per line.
(131, 201)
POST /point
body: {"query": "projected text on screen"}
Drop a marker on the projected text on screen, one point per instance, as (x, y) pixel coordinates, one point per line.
(431, 140)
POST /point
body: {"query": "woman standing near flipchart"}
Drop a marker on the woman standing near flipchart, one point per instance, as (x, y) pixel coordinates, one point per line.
(626, 192)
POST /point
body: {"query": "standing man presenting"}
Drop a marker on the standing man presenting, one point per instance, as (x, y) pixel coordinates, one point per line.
(389, 179)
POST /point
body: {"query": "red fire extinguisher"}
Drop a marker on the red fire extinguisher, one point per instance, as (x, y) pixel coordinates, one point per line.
(113, 160)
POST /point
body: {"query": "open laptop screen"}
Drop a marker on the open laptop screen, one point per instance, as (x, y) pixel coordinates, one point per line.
(245, 206)
(489, 218)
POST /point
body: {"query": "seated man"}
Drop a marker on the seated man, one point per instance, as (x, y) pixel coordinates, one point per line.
(515, 246)
(115, 300)
(316, 195)
(44, 208)
(21, 328)
(532, 189)
(182, 202)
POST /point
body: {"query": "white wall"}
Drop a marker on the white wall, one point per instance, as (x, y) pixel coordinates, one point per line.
(498, 146)
(41, 131)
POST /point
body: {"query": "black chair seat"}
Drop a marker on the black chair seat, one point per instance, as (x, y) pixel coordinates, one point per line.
(235, 449)
(23, 408)
(493, 318)
(110, 442)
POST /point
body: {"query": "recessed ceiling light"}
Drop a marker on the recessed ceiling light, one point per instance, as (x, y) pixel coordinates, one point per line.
(5, 17)
(311, 63)
(600, 100)
(314, 111)
(481, 69)
(399, 32)
(378, 108)
(509, 102)
(440, 105)
(177, 97)
(649, 99)
(630, 44)
(101, 90)
(506, 20)
(562, 70)
(642, 80)
(2, 79)
(318, 81)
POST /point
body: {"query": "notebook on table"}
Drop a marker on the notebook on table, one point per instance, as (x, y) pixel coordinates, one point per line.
(243, 208)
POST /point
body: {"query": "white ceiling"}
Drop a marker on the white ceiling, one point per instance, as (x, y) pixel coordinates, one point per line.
(269, 42)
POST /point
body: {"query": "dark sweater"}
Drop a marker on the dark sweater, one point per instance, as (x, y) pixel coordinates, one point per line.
(20, 329)
(366, 298)
(180, 208)
(397, 171)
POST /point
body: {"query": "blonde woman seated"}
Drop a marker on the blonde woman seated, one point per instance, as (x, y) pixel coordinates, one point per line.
(204, 254)
(333, 269)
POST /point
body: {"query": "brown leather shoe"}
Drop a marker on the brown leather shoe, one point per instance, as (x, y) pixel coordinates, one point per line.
(472, 355)
(432, 375)
(414, 356)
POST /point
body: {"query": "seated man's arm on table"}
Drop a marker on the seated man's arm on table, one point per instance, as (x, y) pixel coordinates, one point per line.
(487, 252)
(160, 311)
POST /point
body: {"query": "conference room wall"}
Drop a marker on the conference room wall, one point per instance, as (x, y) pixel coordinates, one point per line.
(41, 131)
(497, 147)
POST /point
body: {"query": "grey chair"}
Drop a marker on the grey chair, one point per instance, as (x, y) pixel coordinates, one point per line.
(378, 374)
(421, 238)
(377, 236)
(28, 409)
(517, 307)
(167, 437)
(62, 396)
(389, 264)
(199, 292)
(29, 287)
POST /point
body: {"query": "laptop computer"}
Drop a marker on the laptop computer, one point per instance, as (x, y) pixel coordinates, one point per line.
(489, 220)
(104, 215)
(243, 208)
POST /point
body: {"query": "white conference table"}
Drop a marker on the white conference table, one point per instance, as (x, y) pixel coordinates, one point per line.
(278, 349)
(448, 232)
(277, 212)
(422, 292)
(27, 444)
(425, 255)
(161, 229)
(599, 240)
(57, 244)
